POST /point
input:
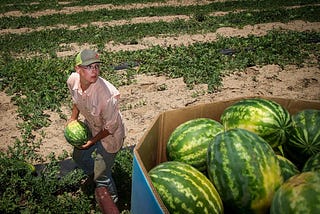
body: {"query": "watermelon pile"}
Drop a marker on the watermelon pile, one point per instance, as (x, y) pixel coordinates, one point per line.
(77, 133)
(254, 157)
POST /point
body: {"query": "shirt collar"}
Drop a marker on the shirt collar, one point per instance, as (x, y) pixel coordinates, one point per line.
(79, 89)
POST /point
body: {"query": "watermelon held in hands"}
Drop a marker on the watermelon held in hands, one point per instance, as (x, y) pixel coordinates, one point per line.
(189, 142)
(304, 140)
(184, 189)
(266, 118)
(77, 133)
(245, 171)
(299, 194)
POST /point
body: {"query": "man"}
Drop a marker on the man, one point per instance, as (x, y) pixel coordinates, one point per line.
(97, 100)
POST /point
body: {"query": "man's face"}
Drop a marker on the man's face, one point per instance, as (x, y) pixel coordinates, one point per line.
(89, 73)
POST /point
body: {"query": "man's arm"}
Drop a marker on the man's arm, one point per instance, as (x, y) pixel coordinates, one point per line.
(102, 134)
(74, 114)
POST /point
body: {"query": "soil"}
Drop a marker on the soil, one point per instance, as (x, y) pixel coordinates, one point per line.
(143, 100)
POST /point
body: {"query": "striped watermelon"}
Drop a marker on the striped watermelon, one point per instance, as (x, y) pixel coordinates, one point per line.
(184, 189)
(312, 164)
(264, 117)
(288, 168)
(245, 171)
(188, 143)
(299, 194)
(304, 138)
(77, 133)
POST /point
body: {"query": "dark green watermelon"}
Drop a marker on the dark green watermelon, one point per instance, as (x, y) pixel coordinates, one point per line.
(288, 168)
(304, 140)
(312, 164)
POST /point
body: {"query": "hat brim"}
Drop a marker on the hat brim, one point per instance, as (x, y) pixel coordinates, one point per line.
(89, 62)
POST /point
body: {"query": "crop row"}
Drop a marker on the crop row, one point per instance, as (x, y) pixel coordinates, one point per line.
(33, 5)
(103, 15)
(27, 7)
(48, 41)
(198, 63)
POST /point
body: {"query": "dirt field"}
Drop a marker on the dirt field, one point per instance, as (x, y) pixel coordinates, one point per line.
(143, 101)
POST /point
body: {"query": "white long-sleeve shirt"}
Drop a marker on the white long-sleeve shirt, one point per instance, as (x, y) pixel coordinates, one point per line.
(99, 105)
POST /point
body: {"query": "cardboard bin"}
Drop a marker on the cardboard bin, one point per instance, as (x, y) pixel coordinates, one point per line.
(151, 150)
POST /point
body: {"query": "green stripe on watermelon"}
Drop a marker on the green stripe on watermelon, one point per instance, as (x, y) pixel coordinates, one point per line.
(299, 194)
(264, 117)
(304, 140)
(244, 169)
(288, 168)
(184, 189)
(189, 142)
(77, 133)
(312, 164)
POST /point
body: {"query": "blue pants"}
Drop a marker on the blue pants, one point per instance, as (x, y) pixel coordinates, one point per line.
(96, 160)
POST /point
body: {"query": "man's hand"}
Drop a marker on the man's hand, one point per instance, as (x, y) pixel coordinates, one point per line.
(69, 121)
(87, 145)
(102, 134)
